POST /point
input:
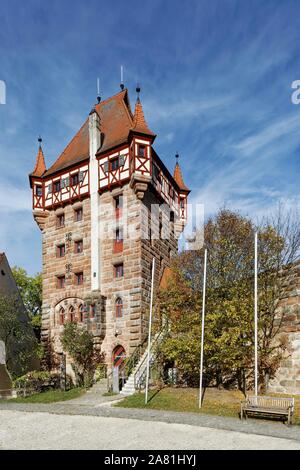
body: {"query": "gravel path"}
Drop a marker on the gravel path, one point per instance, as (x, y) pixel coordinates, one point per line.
(105, 410)
(36, 430)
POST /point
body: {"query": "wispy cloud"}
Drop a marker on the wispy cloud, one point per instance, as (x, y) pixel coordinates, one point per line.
(14, 199)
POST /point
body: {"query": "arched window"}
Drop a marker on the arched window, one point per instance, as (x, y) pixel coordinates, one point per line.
(92, 311)
(119, 308)
(61, 316)
(71, 314)
(81, 313)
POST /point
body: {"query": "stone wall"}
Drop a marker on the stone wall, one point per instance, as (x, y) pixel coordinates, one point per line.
(53, 266)
(143, 239)
(138, 252)
(28, 341)
(287, 378)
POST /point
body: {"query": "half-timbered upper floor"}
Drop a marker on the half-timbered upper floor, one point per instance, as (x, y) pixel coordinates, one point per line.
(124, 154)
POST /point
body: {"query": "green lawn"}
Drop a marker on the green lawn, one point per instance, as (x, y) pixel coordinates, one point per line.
(51, 396)
(216, 402)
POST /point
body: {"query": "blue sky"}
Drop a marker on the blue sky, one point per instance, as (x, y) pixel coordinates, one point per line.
(216, 87)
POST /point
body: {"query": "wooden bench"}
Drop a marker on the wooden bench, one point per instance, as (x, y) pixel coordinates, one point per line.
(268, 407)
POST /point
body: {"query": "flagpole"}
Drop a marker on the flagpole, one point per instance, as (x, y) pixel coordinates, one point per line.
(255, 319)
(149, 333)
(202, 329)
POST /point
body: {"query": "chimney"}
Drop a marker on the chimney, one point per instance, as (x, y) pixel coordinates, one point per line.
(94, 132)
(95, 142)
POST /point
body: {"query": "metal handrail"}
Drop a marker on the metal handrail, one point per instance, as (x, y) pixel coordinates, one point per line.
(135, 357)
(156, 340)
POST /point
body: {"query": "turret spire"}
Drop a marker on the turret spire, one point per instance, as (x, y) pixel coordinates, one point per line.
(40, 166)
(139, 121)
(178, 175)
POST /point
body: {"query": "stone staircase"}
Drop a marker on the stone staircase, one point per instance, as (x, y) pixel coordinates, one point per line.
(137, 378)
(140, 370)
(99, 387)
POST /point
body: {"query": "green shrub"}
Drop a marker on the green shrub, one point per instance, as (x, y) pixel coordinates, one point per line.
(100, 372)
(37, 381)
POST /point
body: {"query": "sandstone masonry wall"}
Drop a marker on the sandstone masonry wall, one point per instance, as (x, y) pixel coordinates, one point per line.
(287, 378)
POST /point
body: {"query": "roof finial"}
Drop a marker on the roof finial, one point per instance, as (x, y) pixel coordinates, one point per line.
(98, 91)
(122, 79)
(177, 157)
(40, 140)
(138, 90)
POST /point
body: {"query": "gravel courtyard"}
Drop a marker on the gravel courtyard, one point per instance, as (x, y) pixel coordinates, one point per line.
(36, 430)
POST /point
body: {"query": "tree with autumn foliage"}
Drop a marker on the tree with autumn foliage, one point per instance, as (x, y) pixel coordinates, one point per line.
(78, 342)
(229, 325)
(30, 288)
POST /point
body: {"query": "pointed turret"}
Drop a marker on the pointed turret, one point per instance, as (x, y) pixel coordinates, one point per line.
(178, 177)
(139, 122)
(40, 166)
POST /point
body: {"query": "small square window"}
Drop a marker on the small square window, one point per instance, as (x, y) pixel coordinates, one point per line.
(56, 186)
(79, 246)
(61, 282)
(142, 151)
(61, 251)
(79, 278)
(74, 179)
(119, 270)
(38, 191)
(60, 220)
(114, 164)
(78, 215)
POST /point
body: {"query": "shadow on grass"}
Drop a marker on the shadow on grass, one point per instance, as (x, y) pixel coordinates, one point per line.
(154, 395)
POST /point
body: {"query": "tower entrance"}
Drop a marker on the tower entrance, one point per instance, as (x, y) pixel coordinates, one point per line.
(118, 357)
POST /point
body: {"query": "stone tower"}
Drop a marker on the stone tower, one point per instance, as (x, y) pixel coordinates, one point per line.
(106, 207)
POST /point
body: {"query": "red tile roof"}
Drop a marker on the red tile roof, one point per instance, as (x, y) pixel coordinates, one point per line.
(116, 120)
(76, 151)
